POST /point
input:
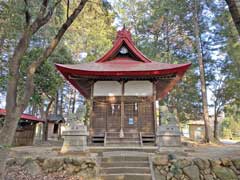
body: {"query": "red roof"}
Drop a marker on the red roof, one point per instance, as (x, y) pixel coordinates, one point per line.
(113, 64)
(122, 67)
(124, 38)
(23, 116)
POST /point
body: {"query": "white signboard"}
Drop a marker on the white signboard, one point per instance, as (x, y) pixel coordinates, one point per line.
(107, 88)
(138, 88)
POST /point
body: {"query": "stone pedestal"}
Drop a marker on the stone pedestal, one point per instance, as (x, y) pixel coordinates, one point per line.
(168, 136)
(75, 139)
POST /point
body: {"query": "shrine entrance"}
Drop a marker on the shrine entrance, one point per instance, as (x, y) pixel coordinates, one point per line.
(122, 88)
(138, 117)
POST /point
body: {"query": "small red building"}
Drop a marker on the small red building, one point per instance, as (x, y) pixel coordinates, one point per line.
(123, 87)
(25, 132)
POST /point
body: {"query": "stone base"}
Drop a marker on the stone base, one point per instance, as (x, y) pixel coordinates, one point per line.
(168, 136)
(74, 144)
(75, 139)
(168, 140)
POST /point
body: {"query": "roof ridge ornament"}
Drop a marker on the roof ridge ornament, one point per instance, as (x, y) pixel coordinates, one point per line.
(124, 33)
(124, 38)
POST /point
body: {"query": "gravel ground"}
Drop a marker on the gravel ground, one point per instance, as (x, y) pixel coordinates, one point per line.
(18, 173)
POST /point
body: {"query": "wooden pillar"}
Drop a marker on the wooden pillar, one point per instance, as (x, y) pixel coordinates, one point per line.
(122, 111)
(154, 106)
(91, 110)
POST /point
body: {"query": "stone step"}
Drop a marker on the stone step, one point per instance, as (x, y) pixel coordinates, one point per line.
(114, 141)
(148, 139)
(124, 158)
(148, 135)
(126, 164)
(117, 134)
(125, 170)
(123, 144)
(97, 139)
(123, 139)
(126, 177)
(124, 153)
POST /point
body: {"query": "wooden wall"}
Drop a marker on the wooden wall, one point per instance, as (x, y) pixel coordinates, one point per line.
(24, 136)
(138, 114)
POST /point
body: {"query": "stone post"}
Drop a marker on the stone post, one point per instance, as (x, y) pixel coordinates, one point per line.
(168, 136)
(75, 138)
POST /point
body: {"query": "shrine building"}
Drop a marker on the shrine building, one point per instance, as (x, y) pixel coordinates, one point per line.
(123, 87)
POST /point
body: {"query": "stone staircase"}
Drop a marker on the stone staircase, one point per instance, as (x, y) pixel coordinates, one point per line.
(125, 165)
(129, 139)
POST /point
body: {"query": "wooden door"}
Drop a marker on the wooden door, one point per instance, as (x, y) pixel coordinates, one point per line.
(99, 117)
(145, 115)
(114, 117)
(131, 117)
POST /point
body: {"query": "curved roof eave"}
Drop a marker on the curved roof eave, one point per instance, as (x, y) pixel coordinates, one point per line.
(69, 70)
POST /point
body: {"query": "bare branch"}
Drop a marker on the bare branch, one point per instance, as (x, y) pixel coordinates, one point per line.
(42, 20)
(235, 13)
(67, 9)
(27, 14)
(43, 8)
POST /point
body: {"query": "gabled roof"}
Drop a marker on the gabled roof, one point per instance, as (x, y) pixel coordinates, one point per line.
(116, 65)
(123, 39)
(28, 117)
(122, 67)
(55, 118)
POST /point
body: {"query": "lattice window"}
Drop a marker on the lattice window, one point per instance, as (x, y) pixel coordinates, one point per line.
(99, 115)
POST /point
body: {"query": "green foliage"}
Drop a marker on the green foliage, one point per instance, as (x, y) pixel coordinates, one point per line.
(92, 33)
(163, 32)
(46, 80)
(79, 115)
(230, 128)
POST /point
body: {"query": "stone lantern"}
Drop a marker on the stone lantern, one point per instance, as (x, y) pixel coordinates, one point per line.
(168, 135)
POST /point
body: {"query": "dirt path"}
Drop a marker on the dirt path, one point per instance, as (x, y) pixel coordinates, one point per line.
(202, 151)
(216, 151)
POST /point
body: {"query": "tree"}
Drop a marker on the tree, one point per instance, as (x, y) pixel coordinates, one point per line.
(90, 35)
(220, 98)
(162, 30)
(46, 80)
(234, 8)
(16, 104)
(202, 73)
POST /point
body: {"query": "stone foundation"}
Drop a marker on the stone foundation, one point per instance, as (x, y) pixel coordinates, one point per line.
(75, 139)
(195, 169)
(67, 166)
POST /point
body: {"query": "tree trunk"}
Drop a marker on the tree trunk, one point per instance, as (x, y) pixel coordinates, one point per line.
(61, 103)
(159, 114)
(234, 8)
(74, 101)
(45, 118)
(56, 104)
(215, 132)
(202, 73)
(13, 112)
(13, 108)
